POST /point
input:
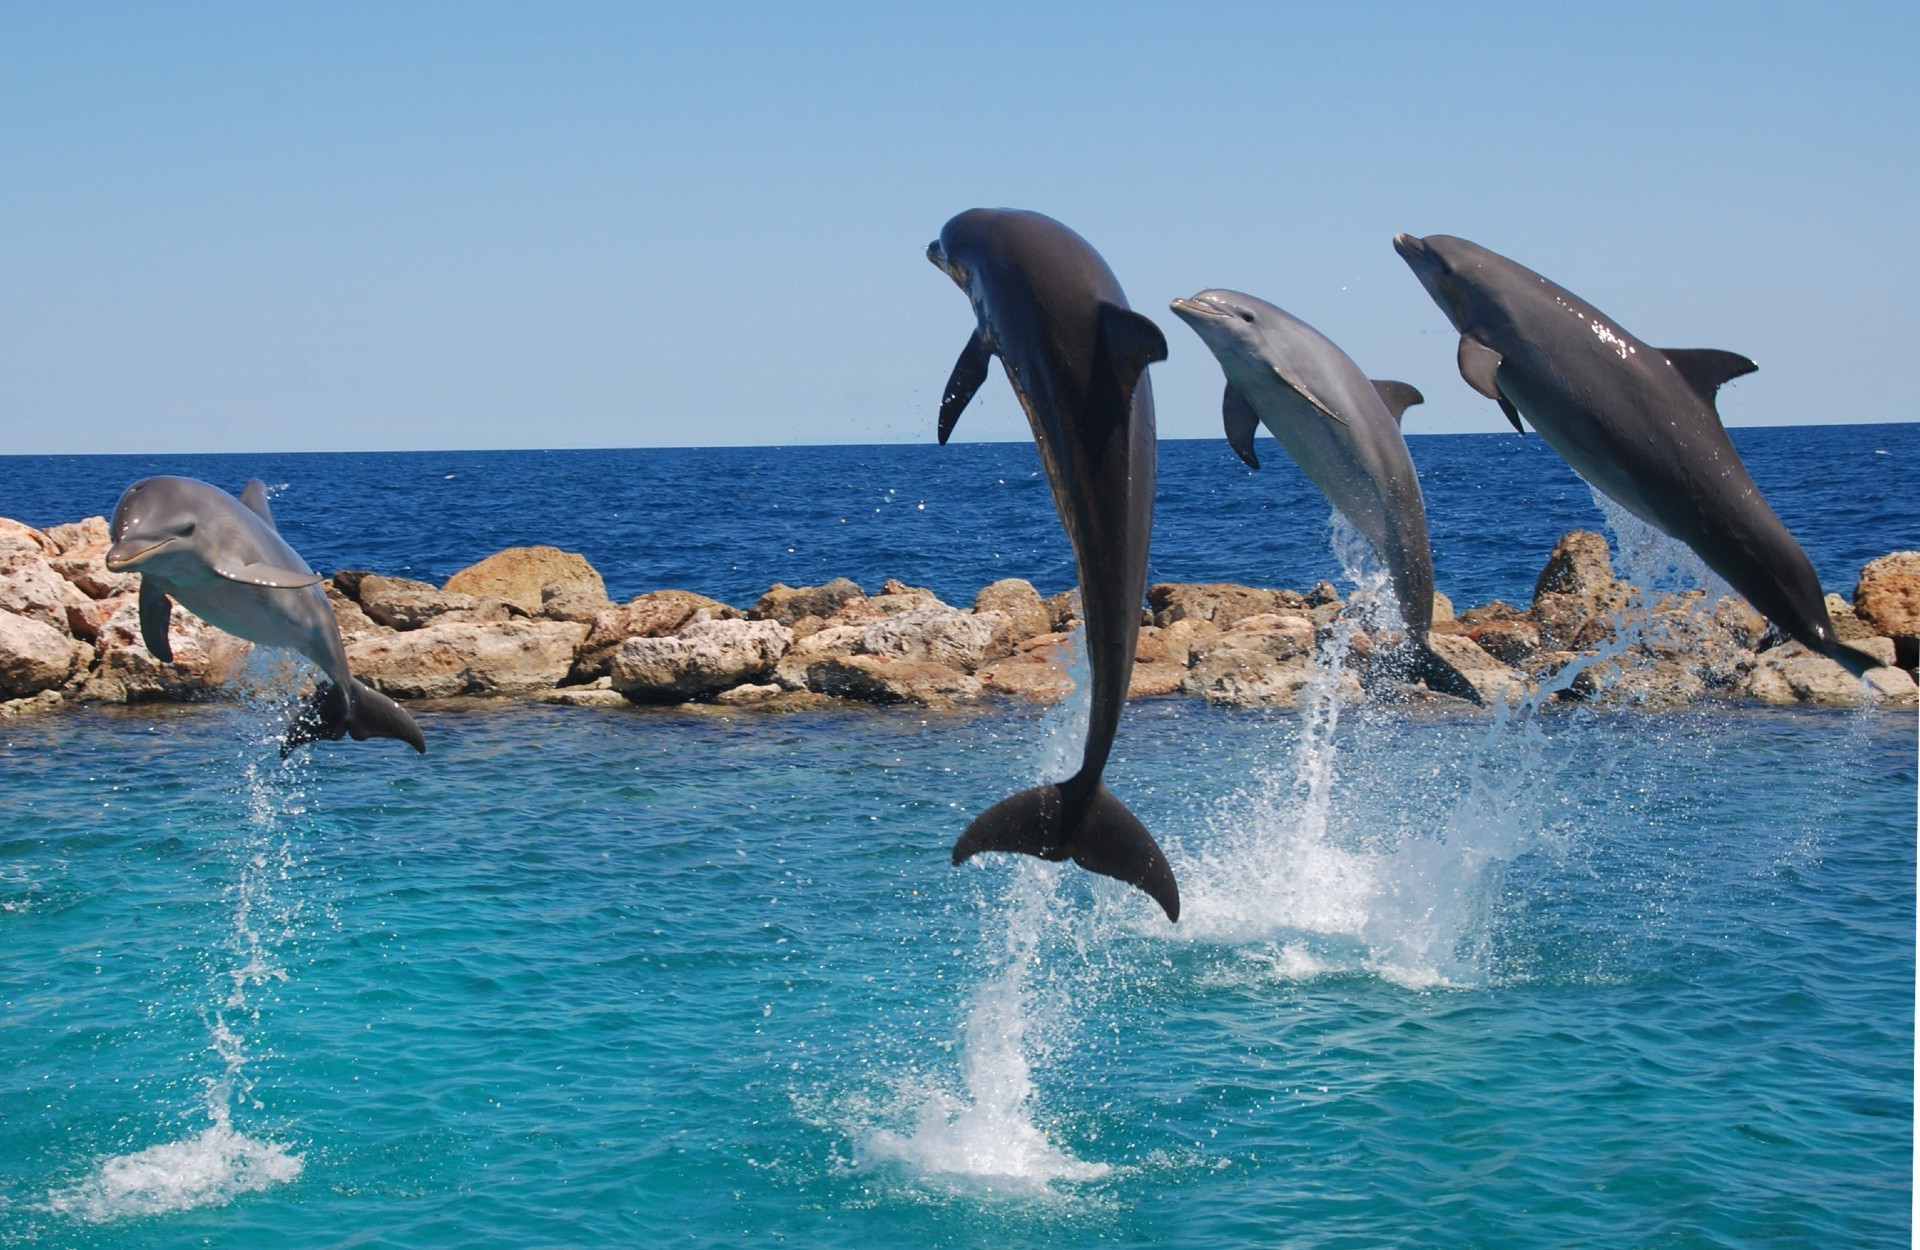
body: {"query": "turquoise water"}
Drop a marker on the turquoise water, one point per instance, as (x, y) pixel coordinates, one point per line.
(588, 977)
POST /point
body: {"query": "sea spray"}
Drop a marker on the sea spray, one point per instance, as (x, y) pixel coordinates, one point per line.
(220, 1162)
(985, 1134)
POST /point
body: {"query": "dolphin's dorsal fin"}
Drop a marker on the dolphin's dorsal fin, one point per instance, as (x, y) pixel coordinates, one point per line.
(1705, 368)
(1242, 424)
(1480, 366)
(155, 611)
(268, 575)
(968, 373)
(255, 497)
(1398, 397)
(1131, 343)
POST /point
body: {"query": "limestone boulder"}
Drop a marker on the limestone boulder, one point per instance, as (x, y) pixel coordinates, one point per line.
(1509, 641)
(1280, 635)
(656, 614)
(34, 656)
(19, 534)
(74, 536)
(204, 659)
(1152, 681)
(1016, 599)
(704, 658)
(572, 603)
(82, 559)
(788, 604)
(1029, 675)
(86, 620)
(941, 634)
(520, 575)
(402, 603)
(1887, 600)
(1063, 609)
(1579, 564)
(830, 641)
(747, 695)
(446, 659)
(1246, 677)
(883, 679)
(1218, 603)
(1847, 625)
(1793, 674)
(29, 586)
(1485, 672)
(350, 616)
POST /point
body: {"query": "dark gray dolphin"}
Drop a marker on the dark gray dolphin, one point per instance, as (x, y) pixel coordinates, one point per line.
(1076, 355)
(1637, 422)
(223, 559)
(1343, 430)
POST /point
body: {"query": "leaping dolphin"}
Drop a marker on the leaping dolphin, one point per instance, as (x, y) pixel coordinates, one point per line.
(1076, 355)
(1343, 430)
(224, 559)
(1637, 422)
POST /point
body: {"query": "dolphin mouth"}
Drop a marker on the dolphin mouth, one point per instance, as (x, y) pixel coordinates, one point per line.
(1197, 308)
(938, 255)
(124, 555)
(1411, 249)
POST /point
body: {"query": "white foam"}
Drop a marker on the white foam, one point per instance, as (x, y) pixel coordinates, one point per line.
(987, 1134)
(208, 1169)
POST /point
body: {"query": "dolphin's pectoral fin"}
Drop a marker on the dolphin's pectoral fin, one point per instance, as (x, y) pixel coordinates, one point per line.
(269, 575)
(1706, 368)
(156, 610)
(1103, 837)
(1131, 343)
(1242, 425)
(1480, 366)
(1398, 397)
(968, 373)
(255, 497)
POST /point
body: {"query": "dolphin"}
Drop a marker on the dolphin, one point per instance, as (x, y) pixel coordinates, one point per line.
(225, 560)
(1343, 430)
(1053, 312)
(1637, 422)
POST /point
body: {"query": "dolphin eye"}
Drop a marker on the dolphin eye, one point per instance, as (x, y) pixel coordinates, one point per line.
(186, 531)
(1246, 316)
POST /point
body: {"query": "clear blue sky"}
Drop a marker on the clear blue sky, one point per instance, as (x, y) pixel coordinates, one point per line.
(347, 226)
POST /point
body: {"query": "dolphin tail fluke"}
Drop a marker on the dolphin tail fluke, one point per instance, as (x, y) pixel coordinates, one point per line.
(1101, 836)
(1440, 676)
(331, 714)
(1853, 659)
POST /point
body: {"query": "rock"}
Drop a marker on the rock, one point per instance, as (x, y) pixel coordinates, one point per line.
(1847, 625)
(1244, 677)
(787, 604)
(449, 658)
(1028, 675)
(1280, 635)
(656, 614)
(1063, 609)
(45, 701)
(743, 695)
(1489, 676)
(1656, 685)
(1442, 608)
(1496, 610)
(1182, 640)
(583, 696)
(34, 656)
(402, 603)
(86, 620)
(79, 535)
(1218, 603)
(520, 574)
(879, 679)
(704, 658)
(1578, 565)
(833, 640)
(18, 534)
(83, 561)
(1509, 641)
(347, 582)
(1793, 674)
(941, 634)
(1323, 595)
(204, 659)
(1027, 613)
(1151, 681)
(1887, 599)
(570, 603)
(350, 616)
(29, 586)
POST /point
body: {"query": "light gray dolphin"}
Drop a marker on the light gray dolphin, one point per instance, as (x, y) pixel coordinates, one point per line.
(225, 561)
(1344, 431)
(1637, 422)
(1049, 307)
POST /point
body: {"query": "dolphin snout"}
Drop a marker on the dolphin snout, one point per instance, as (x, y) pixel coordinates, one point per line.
(124, 555)
(1409, 247)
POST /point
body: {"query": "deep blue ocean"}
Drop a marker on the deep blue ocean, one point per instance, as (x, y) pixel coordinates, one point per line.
(589, 977)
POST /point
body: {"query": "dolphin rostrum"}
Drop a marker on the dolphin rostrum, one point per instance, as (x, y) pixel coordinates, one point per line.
(1076, 355)
(1637, 422)
(1344, 431)
(224, 559)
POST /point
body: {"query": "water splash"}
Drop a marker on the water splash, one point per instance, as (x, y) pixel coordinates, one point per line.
(219, 1163)
(985, 1135)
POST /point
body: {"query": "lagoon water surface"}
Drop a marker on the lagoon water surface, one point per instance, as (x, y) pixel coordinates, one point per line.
(591, 977)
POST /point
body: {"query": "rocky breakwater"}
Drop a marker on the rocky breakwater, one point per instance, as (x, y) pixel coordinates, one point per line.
(537, 622)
